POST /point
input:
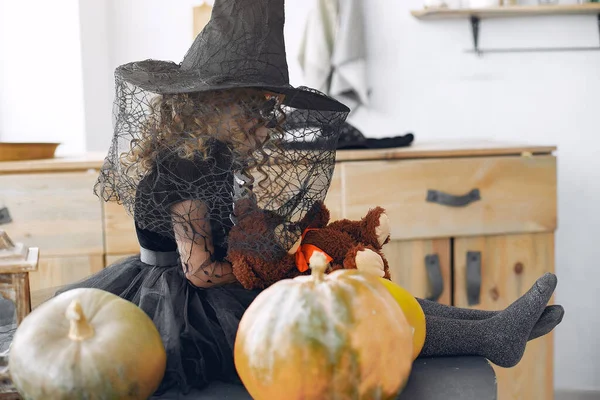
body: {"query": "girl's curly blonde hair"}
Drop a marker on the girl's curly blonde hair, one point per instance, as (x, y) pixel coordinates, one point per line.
(183, 123)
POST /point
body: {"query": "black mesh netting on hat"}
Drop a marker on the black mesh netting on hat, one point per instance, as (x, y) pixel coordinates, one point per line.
(180, 162)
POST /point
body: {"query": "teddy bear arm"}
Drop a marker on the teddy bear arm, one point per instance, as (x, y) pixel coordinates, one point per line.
(351, 261)
(257, 273)
(316, 217)
(284, 268)
(245, 274)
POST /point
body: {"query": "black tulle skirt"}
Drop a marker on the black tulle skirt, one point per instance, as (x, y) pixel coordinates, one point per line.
(198, 326)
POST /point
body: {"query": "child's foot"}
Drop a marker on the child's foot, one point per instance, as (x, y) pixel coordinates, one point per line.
(507, 333)
(550, 318)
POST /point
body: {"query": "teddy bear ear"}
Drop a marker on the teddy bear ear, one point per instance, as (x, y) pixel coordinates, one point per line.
(317, 216)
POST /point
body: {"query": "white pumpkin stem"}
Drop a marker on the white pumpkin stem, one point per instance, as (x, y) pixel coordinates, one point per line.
(80, 328)
(318, 265)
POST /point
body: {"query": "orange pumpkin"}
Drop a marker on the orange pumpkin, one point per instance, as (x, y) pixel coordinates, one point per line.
(340, 336)
(413, 312)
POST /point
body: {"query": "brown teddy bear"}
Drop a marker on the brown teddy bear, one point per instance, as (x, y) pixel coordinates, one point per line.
(257, 263)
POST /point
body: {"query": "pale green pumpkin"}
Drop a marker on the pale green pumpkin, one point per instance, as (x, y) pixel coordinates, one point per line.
(87, 344)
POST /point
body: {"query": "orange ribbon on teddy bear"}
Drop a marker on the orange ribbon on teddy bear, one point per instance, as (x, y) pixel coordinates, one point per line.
(305, 251)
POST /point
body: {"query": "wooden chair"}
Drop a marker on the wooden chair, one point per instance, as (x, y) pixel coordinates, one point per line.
(16, 262)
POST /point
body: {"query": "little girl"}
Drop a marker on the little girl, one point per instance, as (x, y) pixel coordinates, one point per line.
(193, 155)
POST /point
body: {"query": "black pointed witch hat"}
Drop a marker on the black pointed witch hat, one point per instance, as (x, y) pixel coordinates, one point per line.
(242, 46)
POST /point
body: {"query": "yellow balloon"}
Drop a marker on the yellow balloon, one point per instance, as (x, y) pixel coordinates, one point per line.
(413, 312)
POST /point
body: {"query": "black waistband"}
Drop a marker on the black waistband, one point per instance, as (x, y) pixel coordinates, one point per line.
(159, 258)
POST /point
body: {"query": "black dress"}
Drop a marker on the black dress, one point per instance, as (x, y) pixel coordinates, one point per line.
(198, 325)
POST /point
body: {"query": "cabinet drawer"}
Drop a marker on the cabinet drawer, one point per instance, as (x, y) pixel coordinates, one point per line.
(516, 194)
(57, 212)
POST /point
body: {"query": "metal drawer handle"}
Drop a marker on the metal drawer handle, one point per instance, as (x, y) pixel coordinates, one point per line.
(435, 196)
(473, 277)
(5, 216)
(434, 272)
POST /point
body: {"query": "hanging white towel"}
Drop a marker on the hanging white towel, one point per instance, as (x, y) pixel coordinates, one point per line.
(349, 78)
(317, 45)
(333, 52)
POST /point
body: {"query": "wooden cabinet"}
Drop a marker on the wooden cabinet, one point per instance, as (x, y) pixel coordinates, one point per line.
(120, 239)
(485, 214)
(472, 225)
(53, 211)
(57, 212)
(54, 272)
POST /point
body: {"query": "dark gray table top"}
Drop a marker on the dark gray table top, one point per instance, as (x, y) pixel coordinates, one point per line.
(444, 378)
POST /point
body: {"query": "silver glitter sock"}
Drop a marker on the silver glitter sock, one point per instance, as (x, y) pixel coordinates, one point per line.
(551, 316)
(501, 338)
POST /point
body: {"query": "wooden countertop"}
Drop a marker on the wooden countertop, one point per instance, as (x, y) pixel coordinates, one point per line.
(71, 163)
(450, 148)
(425, 149)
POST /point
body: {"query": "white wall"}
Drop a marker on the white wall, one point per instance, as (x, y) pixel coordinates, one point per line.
(157, 29)
(424, 83)
(97, 72)
(114, 32)
(57, 62)
(40, 73)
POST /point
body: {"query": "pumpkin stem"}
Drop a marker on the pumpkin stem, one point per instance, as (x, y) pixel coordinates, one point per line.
(80, 328)
(318, 265)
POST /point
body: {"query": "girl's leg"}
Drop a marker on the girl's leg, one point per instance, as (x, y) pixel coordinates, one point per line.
(441, 310)
(501, 338)
(551, 316)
